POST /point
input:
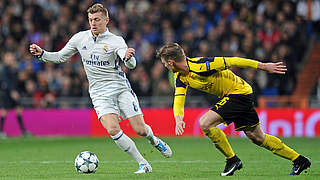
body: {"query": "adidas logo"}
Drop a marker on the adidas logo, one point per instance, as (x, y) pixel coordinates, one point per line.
(84, 48)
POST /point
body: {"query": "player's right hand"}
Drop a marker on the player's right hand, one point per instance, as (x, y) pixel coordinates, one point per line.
(129, 53)
(35, 50)
(180, 125)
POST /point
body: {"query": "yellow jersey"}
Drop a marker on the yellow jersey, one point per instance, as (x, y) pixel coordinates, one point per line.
(211, 75)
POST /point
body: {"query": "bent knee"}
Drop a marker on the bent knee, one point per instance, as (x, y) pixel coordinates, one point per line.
(141, 131)
(113, 130)
(208, 120)
(204, 124)
(258, 140)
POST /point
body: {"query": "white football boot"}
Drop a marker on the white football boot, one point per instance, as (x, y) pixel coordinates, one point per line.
(144, 168)
(164, 148)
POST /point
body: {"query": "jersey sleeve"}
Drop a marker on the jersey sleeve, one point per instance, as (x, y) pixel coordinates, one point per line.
(179, 96)
(223, 63)
(64, 54)
(121, 47)
(121, 52)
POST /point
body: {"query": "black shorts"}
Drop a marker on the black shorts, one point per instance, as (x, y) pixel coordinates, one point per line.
(6, 102)
(239, 109)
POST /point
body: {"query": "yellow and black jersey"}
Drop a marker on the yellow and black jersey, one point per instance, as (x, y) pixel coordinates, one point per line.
(211, 75)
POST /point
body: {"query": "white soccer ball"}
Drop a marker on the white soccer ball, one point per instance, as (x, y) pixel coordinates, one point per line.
(86, 162)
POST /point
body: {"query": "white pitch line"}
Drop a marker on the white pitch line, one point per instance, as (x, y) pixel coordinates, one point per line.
(103, 162)
(119, 162)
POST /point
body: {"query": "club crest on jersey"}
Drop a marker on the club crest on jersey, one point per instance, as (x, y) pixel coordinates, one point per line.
(105, 49)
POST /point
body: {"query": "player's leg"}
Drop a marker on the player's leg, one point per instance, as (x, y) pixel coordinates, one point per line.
(272, 143)
(3, 117)
(208, 123)
(111, 124)
(18, 110)
(276, 146)
(142, 129)
(130, 109)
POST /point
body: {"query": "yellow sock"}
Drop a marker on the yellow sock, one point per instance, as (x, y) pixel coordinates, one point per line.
(220, 140)
(276, 146)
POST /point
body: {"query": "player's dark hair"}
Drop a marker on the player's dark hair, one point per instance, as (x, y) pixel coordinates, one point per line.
(98, 8)
(171, 51)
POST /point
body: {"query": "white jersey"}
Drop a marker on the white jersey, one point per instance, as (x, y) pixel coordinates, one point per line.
(100, 57)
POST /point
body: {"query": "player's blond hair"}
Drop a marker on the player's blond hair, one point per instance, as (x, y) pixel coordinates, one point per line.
(98, 8)
(171, 51)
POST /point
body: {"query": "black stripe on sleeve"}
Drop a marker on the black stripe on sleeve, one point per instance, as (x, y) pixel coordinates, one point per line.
(225, 64)
(202, 60)
(179, 95)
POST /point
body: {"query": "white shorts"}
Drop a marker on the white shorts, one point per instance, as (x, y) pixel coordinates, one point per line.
(124, 104)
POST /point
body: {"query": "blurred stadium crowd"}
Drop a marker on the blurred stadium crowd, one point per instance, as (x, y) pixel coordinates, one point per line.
(262, 30)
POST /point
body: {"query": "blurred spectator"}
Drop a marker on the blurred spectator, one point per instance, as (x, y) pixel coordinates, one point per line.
(317, 89)
(310, 11)
(139, 44)
(269, 34)
(226, 12)
(268, 9)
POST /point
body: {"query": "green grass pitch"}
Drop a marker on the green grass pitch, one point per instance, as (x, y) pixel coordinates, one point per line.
(193, 158)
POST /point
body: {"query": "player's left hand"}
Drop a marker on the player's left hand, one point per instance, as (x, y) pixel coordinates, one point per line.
(129, 53)
(277, 68)
(180, 125)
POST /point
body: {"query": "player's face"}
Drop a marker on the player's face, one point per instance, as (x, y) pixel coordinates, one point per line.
(98, 23)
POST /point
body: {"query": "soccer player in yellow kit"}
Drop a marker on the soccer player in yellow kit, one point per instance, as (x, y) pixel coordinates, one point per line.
(212, 75)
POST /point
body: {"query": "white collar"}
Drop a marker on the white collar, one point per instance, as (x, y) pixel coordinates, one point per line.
(106, 33)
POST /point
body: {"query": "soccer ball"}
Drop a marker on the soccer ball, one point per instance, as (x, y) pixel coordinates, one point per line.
(86, 162)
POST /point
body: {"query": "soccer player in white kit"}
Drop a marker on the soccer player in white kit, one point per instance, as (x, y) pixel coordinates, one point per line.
(110, 91)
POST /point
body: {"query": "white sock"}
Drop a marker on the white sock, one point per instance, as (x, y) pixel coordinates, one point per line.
(128, 146)
(153, 139)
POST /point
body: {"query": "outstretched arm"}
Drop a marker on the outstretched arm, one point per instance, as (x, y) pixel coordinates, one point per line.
(277, 68)
(222, 63)
(56, 57)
